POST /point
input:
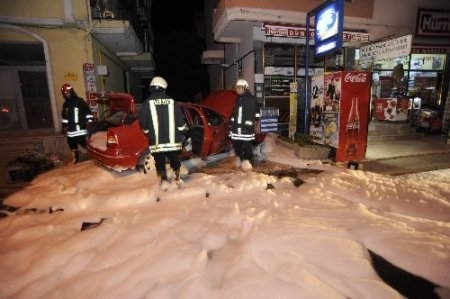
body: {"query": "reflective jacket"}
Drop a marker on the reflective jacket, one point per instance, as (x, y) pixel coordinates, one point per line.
(162, 120)
(242, 120)
(76, 114)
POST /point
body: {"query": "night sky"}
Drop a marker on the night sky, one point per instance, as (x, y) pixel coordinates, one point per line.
(164, 11)
(178, 48)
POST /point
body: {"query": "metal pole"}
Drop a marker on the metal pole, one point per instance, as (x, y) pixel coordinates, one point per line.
(307, 83)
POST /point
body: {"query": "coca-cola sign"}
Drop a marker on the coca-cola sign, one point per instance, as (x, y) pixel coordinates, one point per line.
(356, 77)
(353, 126)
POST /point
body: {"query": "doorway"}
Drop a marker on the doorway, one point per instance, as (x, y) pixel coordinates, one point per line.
(24, 100)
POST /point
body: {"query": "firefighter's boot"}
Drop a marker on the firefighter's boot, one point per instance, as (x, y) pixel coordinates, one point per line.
(162, 175)
(177, 175)
(178, 179)
(75, 156)
(238, 162)
(164, 183)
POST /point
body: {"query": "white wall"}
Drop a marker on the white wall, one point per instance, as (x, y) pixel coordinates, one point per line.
(234, 52)
(395, 18)
(392, 18)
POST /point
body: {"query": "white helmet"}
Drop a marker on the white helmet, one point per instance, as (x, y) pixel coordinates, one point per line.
(243, 83)
(158, 82)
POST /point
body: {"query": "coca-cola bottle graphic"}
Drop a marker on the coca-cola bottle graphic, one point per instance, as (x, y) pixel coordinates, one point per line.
(352, 130)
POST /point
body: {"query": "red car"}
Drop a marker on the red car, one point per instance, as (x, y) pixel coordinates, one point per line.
(119, 143)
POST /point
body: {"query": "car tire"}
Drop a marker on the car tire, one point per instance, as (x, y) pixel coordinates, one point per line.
(146, 162)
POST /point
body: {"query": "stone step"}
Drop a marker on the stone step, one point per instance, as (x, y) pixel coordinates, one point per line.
(377, 138)
(380, 126)
(409, 131)
(388, 131)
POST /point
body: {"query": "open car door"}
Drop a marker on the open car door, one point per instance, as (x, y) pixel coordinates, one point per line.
(197, 128)
(209, 130)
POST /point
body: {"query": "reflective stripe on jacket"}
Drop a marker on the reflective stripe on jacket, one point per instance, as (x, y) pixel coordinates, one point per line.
(242, 121)
(162, 120)
(76, 114)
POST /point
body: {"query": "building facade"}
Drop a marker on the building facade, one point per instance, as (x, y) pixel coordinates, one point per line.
(98, 46)
(264, 42)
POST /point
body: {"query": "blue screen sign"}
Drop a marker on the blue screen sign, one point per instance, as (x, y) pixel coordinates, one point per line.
(328, 25)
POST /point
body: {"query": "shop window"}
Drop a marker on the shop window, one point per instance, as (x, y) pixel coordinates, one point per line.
(10, 102)
(279, 62)
(284, 64)
(415, 75)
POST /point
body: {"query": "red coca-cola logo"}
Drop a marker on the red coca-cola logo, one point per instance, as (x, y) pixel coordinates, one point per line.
(355, 78)
(379, 107)
(353, 126)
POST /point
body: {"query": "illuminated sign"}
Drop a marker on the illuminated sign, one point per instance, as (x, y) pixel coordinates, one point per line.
(328, 27)
(326, 47)
(326, 23)
(433, 23)
(293, 31)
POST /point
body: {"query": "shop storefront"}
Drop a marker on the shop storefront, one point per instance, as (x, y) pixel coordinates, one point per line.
(266, 45)
(408, 88)
(417, 83)
(409, 83)
(281, 64)
(413, 86)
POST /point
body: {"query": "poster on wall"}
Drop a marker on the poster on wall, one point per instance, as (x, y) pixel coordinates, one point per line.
(330, 132)
(433, 62)
(292, 109)
(316, 108)
(391, 109)
(339, 112)
(91, 89)
(332, 92)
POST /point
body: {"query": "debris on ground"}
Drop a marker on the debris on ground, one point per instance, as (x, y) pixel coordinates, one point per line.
(25, 167)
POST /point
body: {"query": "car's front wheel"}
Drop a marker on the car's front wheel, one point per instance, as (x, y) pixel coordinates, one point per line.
(146, 162)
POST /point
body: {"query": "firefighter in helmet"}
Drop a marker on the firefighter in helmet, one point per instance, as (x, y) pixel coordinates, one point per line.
(162, 120)
(243, 125)
(76, 115)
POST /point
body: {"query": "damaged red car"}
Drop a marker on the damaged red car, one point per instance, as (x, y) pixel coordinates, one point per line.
(118, 142)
